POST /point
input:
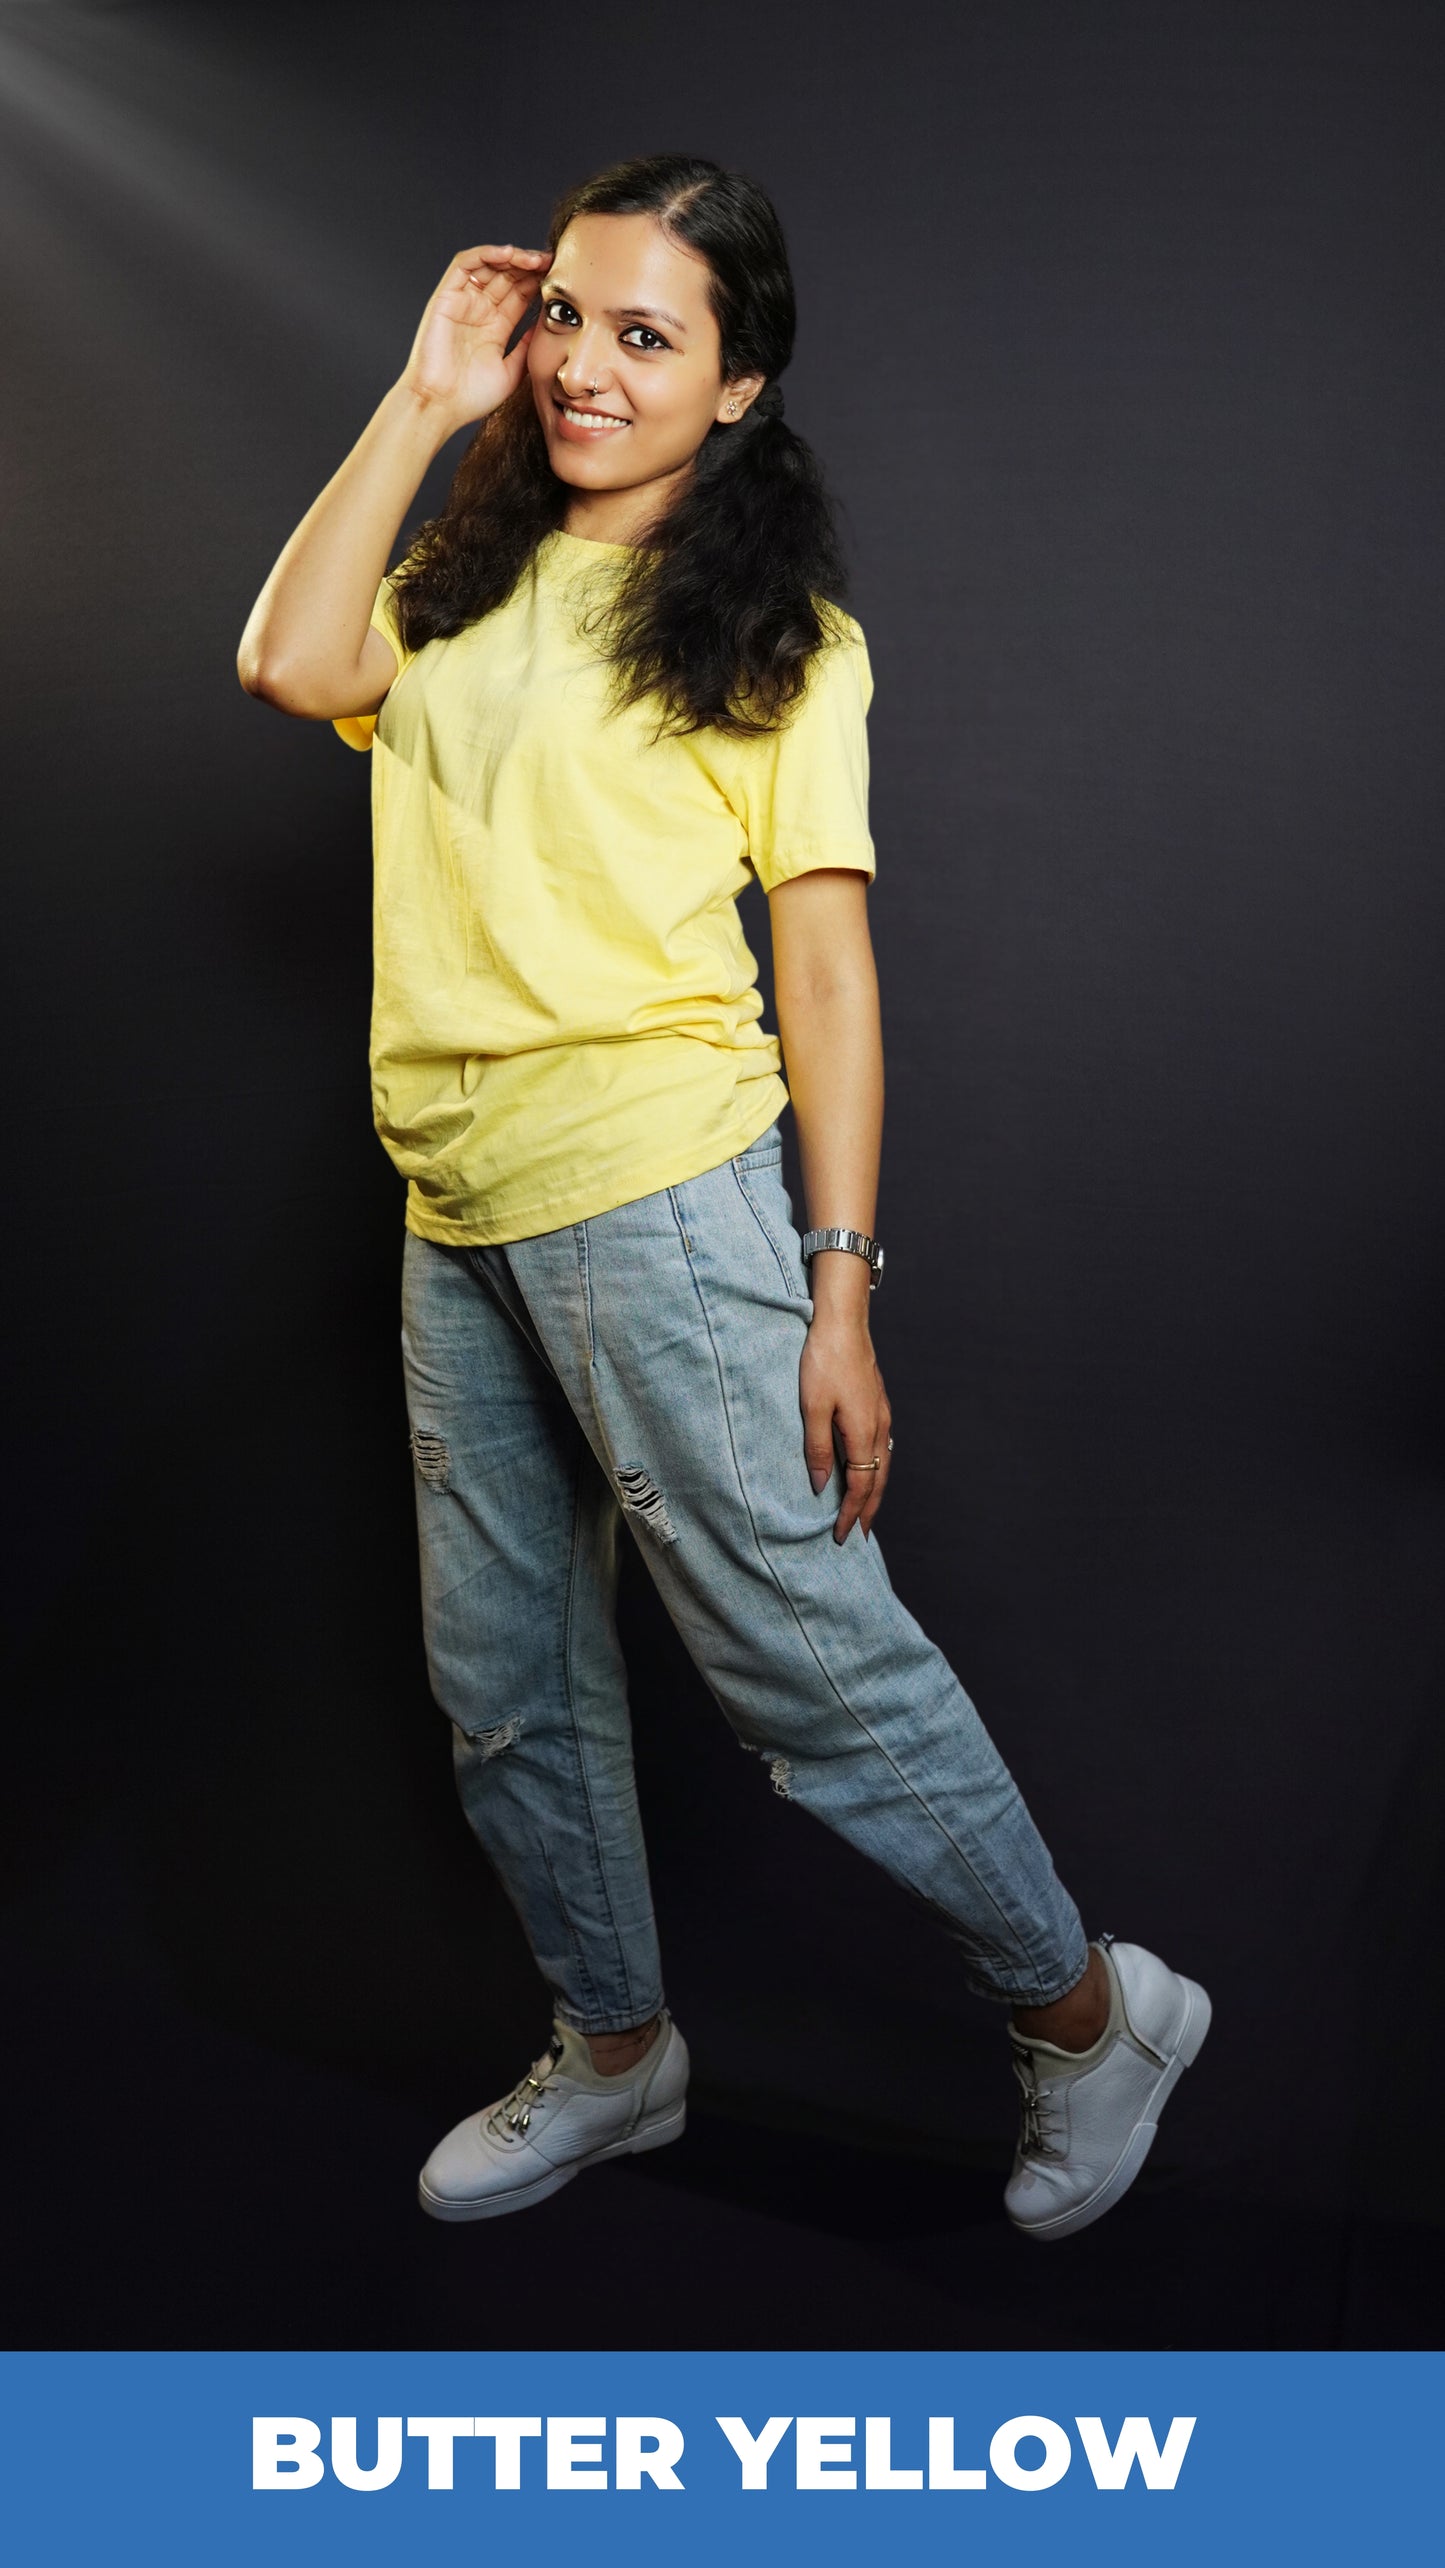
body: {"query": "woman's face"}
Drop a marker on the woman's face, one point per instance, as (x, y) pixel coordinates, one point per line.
(625, 359)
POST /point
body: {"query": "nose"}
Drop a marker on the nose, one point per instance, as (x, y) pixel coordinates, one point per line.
(584, 367)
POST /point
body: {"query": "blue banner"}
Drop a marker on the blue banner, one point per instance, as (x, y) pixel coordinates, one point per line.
(413, 2458)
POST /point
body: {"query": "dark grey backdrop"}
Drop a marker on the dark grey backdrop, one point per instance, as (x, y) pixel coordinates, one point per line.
(1121, 343)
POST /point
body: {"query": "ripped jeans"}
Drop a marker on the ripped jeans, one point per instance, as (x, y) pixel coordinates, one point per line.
(641, 1368)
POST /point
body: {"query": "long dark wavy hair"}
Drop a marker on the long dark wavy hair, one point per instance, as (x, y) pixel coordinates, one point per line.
(720, 610)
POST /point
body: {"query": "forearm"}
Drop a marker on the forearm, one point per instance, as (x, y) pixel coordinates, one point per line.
(827, 995)
(305, 633)
(833, 1059)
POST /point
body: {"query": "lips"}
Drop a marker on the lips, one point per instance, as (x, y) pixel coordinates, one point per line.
(578, 419)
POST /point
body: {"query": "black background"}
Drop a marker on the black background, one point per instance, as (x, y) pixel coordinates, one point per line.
(1121, 343)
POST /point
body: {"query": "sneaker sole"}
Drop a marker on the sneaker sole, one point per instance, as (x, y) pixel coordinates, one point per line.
(653, 2133)
(1141, 2139)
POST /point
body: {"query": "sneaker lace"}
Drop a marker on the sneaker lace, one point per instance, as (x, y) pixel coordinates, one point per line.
(1039, 2127)
(508, 2121)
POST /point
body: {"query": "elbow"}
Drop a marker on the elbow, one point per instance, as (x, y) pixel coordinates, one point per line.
(267, 681)
(310, 694)
(257, 674)
(833, 987)
(261, 669)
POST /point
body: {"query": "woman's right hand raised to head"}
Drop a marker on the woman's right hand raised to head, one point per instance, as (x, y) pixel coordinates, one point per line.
(308, 646)
(458, 364)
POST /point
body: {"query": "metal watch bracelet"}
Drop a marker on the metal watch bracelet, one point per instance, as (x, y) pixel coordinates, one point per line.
(857, 1242)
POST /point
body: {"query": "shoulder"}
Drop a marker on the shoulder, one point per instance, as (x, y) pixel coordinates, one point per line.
(840, 667)
(831, 703)
(842, 634)
(838, 625)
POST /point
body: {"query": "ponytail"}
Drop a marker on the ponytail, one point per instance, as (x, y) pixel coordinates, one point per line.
(717, 617)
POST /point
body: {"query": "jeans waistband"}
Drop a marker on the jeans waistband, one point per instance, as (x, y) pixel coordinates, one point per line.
(769, 1145)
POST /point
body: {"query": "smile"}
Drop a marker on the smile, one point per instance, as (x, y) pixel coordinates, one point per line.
(590, 423)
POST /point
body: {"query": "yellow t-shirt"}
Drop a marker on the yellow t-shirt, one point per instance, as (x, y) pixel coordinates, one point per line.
(565, 1013)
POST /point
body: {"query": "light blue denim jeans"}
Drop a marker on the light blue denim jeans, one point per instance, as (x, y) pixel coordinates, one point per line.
(641, 1368)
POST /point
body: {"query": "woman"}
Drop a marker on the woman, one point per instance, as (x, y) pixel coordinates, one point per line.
(605, 687)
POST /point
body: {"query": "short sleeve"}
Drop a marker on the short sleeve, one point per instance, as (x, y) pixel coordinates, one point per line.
(804, 788)
(358, 729)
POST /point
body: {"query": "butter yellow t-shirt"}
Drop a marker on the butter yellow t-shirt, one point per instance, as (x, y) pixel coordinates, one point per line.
(565, 1013)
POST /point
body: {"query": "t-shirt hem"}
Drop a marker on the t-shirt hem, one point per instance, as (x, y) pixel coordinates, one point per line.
(561, 1212)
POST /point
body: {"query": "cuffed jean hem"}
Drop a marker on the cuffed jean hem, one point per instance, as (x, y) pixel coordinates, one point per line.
(1041, 1996)
(568, 2015)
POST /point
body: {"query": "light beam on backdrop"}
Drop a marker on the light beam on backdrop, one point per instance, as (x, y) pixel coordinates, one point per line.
(171, 121)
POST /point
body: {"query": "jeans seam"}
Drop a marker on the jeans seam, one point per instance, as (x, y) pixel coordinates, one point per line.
(805, 1635)
(579, 1957)
(594, 1834)
(584, 1280)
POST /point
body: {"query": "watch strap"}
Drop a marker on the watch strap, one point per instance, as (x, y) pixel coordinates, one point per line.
(856, 1242)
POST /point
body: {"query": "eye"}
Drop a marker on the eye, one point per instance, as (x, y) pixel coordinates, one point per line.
(640, 331)
(554, 309)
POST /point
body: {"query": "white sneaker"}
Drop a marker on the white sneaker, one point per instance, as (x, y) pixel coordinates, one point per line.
(560, 2118)
(1089, 2117)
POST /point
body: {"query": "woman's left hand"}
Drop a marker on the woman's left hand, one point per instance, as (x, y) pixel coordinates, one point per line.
(841, 1393)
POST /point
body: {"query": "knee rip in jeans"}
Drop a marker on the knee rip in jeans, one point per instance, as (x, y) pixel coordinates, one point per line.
(641, 1496)
(491, 1743)
(780, 1769)
(429, 1453)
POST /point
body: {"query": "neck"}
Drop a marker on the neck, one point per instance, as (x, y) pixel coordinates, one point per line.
(621, 516)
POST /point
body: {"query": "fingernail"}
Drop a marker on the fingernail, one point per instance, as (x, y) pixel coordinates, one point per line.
(819, 1479)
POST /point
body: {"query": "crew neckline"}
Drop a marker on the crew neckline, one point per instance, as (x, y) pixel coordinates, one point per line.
(593, 543)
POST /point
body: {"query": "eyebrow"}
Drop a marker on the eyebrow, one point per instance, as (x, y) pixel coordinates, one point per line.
(628, 311)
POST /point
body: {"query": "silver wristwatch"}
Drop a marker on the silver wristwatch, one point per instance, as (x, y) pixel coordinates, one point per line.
(857, 1241)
